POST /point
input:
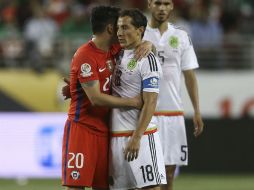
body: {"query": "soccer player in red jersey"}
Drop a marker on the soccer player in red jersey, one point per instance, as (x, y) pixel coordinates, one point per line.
(86, 136)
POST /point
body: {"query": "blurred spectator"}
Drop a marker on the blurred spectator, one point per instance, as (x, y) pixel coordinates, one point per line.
(24, 13)
(40, 34)
(206, 32)
(234, 54)
(216, 10)
(221, 30)
(207, 35)
(180, 15)
(11, 45)
(8, 26)
(247, 18)
(141, 4)
(78, 23)
(58, 10)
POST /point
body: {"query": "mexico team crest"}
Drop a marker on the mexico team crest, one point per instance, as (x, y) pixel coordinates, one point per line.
(132, 64)
(174, 42)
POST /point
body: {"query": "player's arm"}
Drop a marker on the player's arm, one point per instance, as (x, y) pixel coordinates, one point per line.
(150, 84)
(146, 114)
(92, 90)
(192, 88)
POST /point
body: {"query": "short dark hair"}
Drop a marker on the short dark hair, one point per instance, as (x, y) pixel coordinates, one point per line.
(101, 16)
(138, 18)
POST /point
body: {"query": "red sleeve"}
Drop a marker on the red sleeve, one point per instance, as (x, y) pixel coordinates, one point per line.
(115, 49)
(86, 67)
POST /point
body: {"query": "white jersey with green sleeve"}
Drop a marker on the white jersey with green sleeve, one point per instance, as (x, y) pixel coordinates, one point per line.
(176, 54)
(130, 79)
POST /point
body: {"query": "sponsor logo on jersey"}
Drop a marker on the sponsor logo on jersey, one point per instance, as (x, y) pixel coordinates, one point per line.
(102, 69)
(75, 175)
(132, 64)
(86, 70)
(174, 42)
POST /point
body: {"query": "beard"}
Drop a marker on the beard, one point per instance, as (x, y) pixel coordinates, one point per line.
(160, 19)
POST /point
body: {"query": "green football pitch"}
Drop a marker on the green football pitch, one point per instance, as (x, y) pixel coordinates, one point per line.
(183, 182)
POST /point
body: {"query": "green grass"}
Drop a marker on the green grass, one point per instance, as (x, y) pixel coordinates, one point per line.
(33, 184)
(214, 182)
(183, 182)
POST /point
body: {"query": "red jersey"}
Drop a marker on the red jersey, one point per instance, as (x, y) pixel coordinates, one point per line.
(90, 63)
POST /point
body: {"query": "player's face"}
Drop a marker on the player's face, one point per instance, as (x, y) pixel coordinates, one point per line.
(128, 35)
(160, 9)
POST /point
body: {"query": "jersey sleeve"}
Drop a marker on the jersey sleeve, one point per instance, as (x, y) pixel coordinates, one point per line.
(151, 73)
(188, 57)
(86, 67)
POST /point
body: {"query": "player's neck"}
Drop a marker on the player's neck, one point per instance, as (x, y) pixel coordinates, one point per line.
(161, 26)
(134, 45)
(101, 43)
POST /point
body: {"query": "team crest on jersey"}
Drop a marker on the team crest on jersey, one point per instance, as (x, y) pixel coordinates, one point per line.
(174, 42)
(110, 65)
(132, 64)
(75, 175)
(86, 70)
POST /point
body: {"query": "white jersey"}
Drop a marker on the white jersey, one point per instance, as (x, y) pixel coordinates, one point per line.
(130, 78)
(176, 53)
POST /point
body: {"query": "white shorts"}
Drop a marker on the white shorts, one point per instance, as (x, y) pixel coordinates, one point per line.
(148, 169)
(173, 139)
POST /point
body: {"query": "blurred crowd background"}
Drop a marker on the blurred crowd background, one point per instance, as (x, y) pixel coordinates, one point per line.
(41, 34)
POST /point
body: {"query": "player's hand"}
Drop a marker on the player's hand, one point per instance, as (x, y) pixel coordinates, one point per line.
(132, 149)
(198, 124)
(138, 101)
(143, 50)
(66, 89)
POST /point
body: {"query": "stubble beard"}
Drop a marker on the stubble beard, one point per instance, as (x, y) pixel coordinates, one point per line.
(160, 20)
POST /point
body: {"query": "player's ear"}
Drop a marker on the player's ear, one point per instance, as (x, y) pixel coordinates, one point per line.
(141, 30)
(110, 29)
(172, 5)
(149, 3)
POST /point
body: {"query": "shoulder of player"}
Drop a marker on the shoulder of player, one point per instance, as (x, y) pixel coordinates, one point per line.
(81, 62)
(83, 53)
(151, 55)
(180, 31)
(151, 59)
(181, 34)
(85, 48)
